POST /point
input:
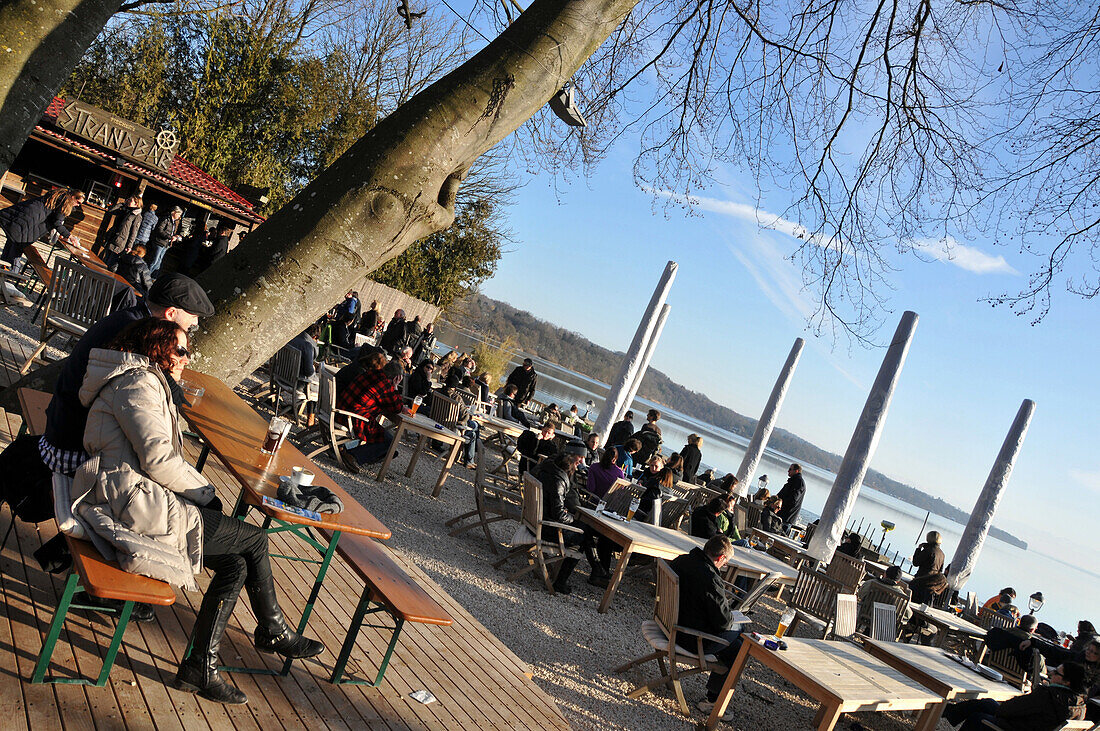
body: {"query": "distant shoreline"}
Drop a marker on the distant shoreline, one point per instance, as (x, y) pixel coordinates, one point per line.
(492, 320)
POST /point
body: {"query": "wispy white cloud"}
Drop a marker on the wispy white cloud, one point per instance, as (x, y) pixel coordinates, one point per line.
(947, 250)
(950, 251)
(1086, 478)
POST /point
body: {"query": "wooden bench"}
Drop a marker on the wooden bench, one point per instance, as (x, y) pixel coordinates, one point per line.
(104, 580)
(33, 406)
(390, 590)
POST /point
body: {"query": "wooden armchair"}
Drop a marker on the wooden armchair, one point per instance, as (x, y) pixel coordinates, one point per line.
(1004, 661)
(334, 426)
(814, 599)
(544, 554)
(847, 570)
(620, 494)
(884, 622)
(491, 505)
(877, 593)
(284, 378)
(670, 642)
(744, 601)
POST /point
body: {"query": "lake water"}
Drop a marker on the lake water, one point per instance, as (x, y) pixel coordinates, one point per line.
(1071, 592)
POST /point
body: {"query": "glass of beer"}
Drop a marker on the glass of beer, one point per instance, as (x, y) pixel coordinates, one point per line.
(784, 622)
(275, 429)
(416, 405)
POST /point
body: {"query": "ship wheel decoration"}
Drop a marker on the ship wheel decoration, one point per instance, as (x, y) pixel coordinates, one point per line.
(167, 140)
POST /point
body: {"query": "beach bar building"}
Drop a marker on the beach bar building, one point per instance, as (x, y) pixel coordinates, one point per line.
(109, 158)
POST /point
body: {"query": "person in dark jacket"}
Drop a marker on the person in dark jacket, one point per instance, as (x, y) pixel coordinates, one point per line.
(691, 456)
(792, 494)
(165, 234)
(705, 522)
(369, 322)
(649, 436)
(132, 268)
(422, 348)
(705, 606)
(193, 247)
(149, 221)
(1086, 633)
(1019, 640)
(621, 430)
(413, 331)
(30, 219)
(560, 502)
(851, 545)
(1043, 709)
(524, 379)
(123, 232)
(219, 246)
(769, 516)
(507, 409)
(395, 333)
(534, 445)
(1087, 657)
(420, 382)
(928, 579)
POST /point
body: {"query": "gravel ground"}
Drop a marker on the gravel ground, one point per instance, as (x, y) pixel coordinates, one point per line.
(572, 648)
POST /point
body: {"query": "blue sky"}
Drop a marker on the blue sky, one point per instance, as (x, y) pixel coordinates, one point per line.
(589, 253)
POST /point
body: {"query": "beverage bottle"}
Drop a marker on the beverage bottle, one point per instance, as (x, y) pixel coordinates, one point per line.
(416, 404)
(634, 503)
(784, 622)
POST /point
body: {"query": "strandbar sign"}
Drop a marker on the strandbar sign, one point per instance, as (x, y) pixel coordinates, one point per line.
(138, 143)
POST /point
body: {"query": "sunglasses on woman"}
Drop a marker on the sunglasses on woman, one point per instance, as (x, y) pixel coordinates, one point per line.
(183, 352)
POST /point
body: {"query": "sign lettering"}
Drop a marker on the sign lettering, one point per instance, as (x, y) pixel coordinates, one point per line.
(124, 137)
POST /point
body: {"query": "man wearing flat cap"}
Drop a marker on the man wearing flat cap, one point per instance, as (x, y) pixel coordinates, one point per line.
(172, 297)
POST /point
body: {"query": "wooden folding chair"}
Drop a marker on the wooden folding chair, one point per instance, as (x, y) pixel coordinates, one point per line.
(897, 597)
(847, 570)
(663, 634)
(844, 624)
(334, 426)
(884, 623)
(491, 505)
(744, 601)
(284, 376)
(542, 554)
(77, 297)
(814, 599)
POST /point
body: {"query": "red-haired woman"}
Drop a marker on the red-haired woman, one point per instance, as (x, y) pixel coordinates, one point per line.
(139, 501)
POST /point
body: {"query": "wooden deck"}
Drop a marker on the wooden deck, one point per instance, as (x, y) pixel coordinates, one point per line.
(478, 682)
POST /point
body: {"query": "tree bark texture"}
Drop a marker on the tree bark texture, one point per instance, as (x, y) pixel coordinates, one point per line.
(394, 186)
(40, 43)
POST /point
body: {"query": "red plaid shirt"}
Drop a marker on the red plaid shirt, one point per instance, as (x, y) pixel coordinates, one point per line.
(370, 394)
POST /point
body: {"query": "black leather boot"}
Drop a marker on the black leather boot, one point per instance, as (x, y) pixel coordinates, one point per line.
(272, 632)
(199, 672)
(561, 583)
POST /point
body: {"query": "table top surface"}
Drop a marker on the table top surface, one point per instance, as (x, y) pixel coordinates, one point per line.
(760, 562)
(851, 674)
(235, 433)
(950, 620)
(644, 538)
(427, 424)
(776, 538)
(929, 665)
(511, 428)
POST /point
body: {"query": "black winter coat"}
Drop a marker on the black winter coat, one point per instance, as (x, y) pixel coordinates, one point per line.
(165, 230)
(28, 220)
(704, 523)
(704, 605)
(392, 338)
(524, 381)
(135, 271)
(791, 495)
(619, 433)
(692, 456)
(124, 232)
(557, 503)
(1043, 709)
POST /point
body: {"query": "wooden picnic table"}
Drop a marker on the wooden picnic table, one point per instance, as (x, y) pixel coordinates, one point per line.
(839, 676)
(930, 667)
(946, 623)
(86, 258)
(758, 564)
(791, 550)
(234, 432)
(634, 536)
(426, 428)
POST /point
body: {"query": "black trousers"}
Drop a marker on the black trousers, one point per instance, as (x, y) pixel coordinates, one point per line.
(237, 553)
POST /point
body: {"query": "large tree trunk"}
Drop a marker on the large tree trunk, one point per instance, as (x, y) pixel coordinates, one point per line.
(392, 187)
(40, 43)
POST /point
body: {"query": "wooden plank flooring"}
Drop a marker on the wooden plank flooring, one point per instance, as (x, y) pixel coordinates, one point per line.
(478, 682)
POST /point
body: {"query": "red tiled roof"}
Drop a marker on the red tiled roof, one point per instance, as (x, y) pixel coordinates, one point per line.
(185, 177)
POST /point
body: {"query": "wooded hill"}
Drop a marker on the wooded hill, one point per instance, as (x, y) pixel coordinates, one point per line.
(495, 320)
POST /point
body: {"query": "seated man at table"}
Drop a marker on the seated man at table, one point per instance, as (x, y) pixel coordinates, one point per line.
(1019, 640)
(769, 516)
(371, 395)
(705, 606)
(534, 445)
(420, 382)
(851, 545)
(603, 474)
(1043, 709)
(891, 581)
(1003, 605)
(1087, 657)
(507, 408)
(560, 502)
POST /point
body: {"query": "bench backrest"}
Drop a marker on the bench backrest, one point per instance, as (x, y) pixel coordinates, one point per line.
(876, 594)
(673, 512)
(326, 394)
(620, 495)
(666, 605)
(444, 410)
(752, 514)
(532, 505)
(758, 590)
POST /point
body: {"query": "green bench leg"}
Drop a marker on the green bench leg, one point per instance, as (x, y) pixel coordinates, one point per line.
(361, 612)
(72, 585)
(317, 582)
(201, 461)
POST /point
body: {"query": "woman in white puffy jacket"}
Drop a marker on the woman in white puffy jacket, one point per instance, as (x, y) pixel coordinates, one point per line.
(142, 504)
